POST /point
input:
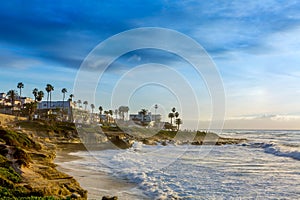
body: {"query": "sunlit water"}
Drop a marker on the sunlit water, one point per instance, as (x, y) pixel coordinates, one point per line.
(266, 167)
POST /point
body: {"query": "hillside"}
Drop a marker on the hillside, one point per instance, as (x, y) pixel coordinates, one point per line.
(26, 164)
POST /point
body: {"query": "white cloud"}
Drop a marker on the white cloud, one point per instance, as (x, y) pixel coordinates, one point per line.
(134, 58)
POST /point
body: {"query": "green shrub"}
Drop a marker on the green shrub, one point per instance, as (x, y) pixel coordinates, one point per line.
(4, 162)
(21, 193)
(5, 193)
(10, 174)
(13, 138)
(22, 156)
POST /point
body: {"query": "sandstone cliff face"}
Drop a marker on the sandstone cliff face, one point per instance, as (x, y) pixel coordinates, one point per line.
(27, 168)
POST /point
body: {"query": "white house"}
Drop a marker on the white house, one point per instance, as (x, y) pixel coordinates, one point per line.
(66, 105)
(26, 100)
(145, 119)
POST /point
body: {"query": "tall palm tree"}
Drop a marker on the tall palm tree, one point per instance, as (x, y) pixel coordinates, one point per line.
(92, 107)
(116, 113)
(64, 91)
(126, 110)
(155, 108)
(110, 112)
(49, 88)
(174, 110)
(35, 93)
(40, 96)
(92, 115)
(122, 111)
(106, 115)
(178, 122)
(79, 103)
(100, 112)
(171, 116)
(143, 112)
(176, 114)
(20, 86)
(85, 104)
(71, 97)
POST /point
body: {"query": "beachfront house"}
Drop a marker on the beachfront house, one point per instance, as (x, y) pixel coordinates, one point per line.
(65, 106)
(25, 100)
(146, 119)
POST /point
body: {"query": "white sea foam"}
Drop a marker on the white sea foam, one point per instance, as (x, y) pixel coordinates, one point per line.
(281, 150)
(249, 171)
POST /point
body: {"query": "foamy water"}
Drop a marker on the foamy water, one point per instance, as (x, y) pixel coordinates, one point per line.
(266, 167)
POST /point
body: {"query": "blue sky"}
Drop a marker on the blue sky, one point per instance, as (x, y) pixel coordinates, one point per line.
(254, 44)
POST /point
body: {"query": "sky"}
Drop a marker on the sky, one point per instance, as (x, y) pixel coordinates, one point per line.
(254, 46)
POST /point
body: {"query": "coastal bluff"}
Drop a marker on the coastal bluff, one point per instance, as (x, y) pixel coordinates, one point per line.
(27, 170)
(28, 149)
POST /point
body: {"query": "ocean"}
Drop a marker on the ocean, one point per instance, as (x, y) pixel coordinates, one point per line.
(267, 166)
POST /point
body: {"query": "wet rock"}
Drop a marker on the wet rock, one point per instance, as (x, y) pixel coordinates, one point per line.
(148, 142)
(110, 198)
(75, 196)
(197, 143)
(120, 143)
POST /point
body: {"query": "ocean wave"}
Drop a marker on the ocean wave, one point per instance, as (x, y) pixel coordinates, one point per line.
(276, 149)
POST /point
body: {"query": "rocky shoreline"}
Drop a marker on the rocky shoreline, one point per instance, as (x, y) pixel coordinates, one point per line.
(28, 150)
(123, 138)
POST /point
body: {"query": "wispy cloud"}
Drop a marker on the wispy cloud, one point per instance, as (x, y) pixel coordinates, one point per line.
(255, 45)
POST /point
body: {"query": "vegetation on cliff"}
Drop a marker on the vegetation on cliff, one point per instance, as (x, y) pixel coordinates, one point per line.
(27, 170)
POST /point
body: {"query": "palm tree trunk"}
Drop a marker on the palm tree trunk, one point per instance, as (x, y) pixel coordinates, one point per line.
(63, 101)
(48, 100)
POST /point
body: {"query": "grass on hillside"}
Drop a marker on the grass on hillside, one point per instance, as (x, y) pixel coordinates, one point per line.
(10, 180)
(42, 125)
(18, 139)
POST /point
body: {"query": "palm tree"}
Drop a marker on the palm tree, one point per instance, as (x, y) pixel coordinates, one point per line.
(122, 111)
(49, 88)
(174, 110)
(12, 94)
(171, 116)
(20, 86)
(116, 113)
(40, 96)
(143, 112)
(71, 97)
(106, 115)
(110, 112)
(178, 122)
(92, 107)
(155, 107)
(64, 91)
(176, 114)
(85, 104)
(100, 112)
(126, 110)
(79, 103)
(35, 93)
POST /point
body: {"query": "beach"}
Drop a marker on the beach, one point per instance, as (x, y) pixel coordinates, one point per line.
(97, 183)
(264, 167)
